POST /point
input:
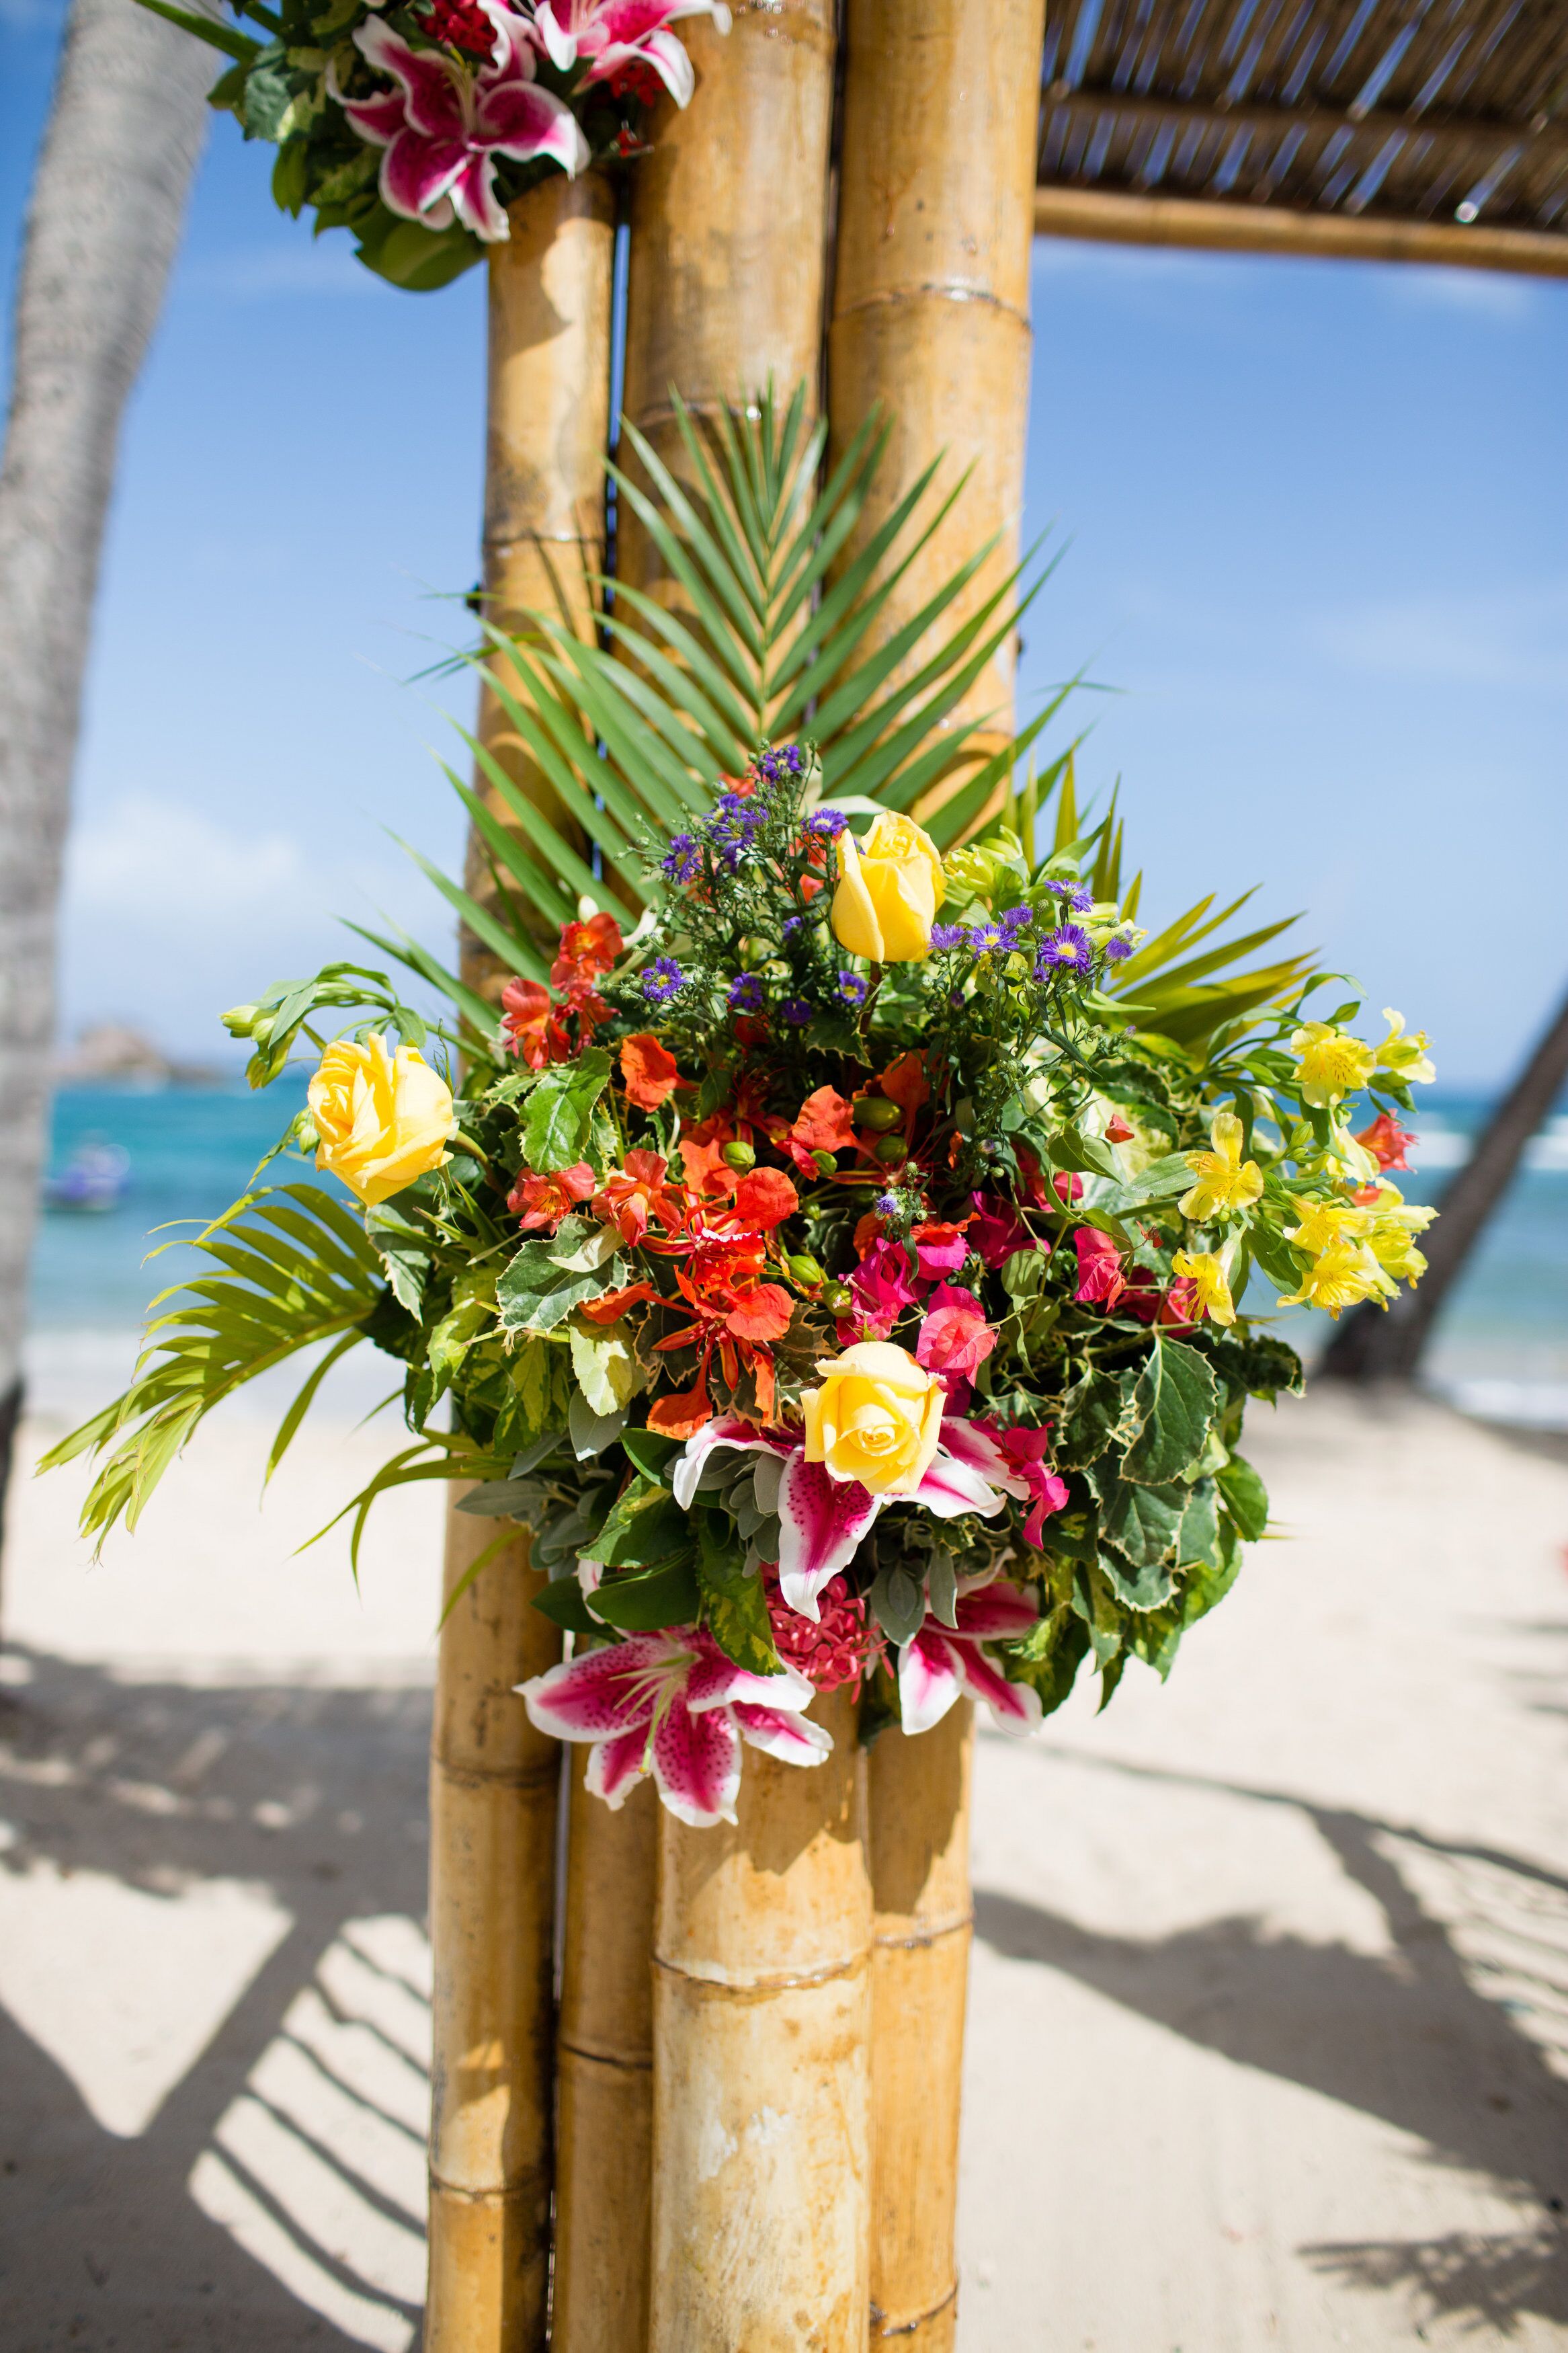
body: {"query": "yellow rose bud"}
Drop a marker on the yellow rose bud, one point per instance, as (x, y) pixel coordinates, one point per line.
(383, 1119)
(889, 892)
(877, 1417)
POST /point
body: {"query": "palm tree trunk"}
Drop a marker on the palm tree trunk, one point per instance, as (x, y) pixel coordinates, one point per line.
(1374, 1346)
(494, 1781)
(930, 318)
(109, 198)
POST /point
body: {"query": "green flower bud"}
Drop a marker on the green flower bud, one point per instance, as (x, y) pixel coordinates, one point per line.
(878, 1114)
(805, 1269)
(838, 1297)
(738, 1156)
(826, 1163)
(889, 1150)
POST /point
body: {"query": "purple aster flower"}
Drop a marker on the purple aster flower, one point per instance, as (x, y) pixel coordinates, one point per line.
(795, 1009)
(1077, 898)
(1065, 950)
(852, 986)
(685, 859)
(773, 765)
(1016, 920)
(662, 980)
(887, 1205)
(827, 823)
(944, 936)
(747, 994)
(1117, 951)
(793, 923)
(984, 938)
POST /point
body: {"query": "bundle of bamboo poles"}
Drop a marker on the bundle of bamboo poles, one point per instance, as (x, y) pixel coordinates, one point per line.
(756, 2071)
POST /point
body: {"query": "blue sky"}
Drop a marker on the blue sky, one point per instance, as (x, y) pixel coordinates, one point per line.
(1317, 516)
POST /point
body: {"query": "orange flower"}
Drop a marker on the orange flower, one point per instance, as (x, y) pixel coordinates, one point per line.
(586, 950)
(545, 1201)
(648, 1070)
(765, 1198)
(636, 1193)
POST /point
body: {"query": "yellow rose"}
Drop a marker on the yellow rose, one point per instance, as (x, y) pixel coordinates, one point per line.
(877, 1417)
(383, 1119)
(889, 892)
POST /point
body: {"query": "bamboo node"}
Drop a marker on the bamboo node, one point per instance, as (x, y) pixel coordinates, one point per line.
(958, 1924)
(761, 1984)
(884, 2327)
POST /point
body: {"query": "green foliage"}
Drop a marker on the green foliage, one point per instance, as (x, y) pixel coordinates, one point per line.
(282, 1270)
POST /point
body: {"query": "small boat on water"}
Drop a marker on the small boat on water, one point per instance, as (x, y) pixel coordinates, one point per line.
(94, 1178)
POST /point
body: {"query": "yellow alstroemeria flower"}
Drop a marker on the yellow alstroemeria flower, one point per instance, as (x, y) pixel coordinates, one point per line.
(1332, 1062)
(1340, 1277)
(1323, 1223)
(890, 888)
(1393, 1238)
(1225, 1182)
(1207, 1270)
(381, 1119)
(1404, 1055)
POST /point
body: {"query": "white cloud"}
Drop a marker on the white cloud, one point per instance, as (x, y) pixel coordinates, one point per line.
(257, 274)
(166, 864)
(1510, 638)
(1482, 293)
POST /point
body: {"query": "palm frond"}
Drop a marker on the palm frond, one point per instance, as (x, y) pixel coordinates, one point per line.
(285, 1269)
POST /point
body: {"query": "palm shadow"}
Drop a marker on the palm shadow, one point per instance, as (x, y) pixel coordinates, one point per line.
(1404, 2036)
(318, 1797)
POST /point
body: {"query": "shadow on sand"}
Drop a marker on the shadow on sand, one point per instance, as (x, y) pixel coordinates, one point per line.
(299, 2119)
(1408, 2037)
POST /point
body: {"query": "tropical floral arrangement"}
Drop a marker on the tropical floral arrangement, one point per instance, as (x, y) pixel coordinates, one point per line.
(837, 1245)
(414, 123)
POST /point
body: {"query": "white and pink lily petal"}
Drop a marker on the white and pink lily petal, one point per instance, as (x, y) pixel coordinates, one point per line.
(943, 1663)
(724, 1430)
(610, 35)
(445, 122)
(968, 1444)
(673, 1705)
(823, 1521)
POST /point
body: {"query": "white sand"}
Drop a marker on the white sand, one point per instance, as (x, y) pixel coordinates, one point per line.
(1270, 2008)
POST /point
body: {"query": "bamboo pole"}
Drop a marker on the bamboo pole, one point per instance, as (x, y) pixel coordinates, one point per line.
(931, 303)
(762, 1987)
(494, 1781)
(547, 429)
(728, 230)
(606, 2074)
(930, 318)
(729, 222)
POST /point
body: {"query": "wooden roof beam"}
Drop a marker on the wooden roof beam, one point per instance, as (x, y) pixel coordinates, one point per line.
(1114, 217)
(1480, 136)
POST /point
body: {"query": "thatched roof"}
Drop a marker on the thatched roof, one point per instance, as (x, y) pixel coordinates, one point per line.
(1432, 129)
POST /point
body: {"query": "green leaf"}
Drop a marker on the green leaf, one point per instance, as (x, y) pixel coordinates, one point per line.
(651, 1453)
(1173, 1406)
(561, 1111)
(534, 1294)
(1144, 1521)
(1073, 1151)
(645, 1527)
(737, 1604)
(1199, 1540)
(565, 1603)
(608, 1375)
(1245, 1497)
(1142, 1589)
(1162, 1180)
(666, 1596)
(205, 28)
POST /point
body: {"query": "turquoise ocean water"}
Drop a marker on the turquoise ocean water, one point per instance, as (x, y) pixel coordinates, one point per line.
(1501, 1350)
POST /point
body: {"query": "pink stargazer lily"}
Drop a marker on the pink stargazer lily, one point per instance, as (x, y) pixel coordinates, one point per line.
(617, 36)
(1014, 1461)
(824, 1520)
(942, 1662)
(445, 122)
(671, 1704)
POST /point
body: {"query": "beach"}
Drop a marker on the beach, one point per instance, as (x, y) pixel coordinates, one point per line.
(1269, 2023)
